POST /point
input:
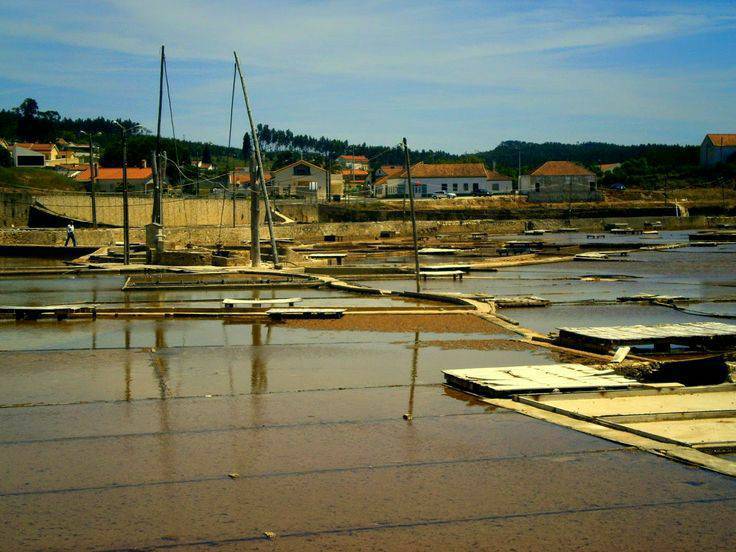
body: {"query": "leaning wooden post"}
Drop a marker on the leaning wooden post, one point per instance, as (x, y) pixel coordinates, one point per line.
(261, 174)
(255, 215)
(413, 214)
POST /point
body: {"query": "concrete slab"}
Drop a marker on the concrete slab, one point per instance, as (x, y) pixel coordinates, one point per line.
(509, 380)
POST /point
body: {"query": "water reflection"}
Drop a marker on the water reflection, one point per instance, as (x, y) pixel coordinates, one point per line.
(413, 381)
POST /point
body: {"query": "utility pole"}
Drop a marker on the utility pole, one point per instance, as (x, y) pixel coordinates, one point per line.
(329, 178)
(157, 182)
(518, 174)
(92, 182)
(255, 215)
(413, 214)
(666, 175)
(261, 175)
(126, 220)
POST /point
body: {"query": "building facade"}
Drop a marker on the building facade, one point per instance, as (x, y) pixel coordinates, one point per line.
(357, 162)
(305, 180)
(717, 148)
(557, 181)
(24, 157)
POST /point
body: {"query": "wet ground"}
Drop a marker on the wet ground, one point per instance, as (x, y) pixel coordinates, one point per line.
(202, 434)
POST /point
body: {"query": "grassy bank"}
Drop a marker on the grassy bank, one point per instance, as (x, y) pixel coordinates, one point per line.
(39, 179)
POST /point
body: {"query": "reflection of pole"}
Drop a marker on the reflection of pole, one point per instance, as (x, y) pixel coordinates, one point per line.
(414, 363)
(258, 374)
(261, 174)
(413, 214)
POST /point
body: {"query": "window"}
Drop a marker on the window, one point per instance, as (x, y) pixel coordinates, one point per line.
(466, 187)
(301, 170)
(537, 186)
(454, 187)
(444, 187)
(495, 187)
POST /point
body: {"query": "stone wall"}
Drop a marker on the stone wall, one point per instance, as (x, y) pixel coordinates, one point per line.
(176, 211)
(14, 207)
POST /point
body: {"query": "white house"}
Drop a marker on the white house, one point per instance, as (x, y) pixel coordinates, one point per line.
(717, 148)
(25, 157)
(428, 179)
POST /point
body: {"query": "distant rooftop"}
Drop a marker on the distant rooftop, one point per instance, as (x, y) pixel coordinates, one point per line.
(562, 168)
(722, 139)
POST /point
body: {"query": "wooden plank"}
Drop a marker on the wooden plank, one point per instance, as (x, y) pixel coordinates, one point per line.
(231, 303)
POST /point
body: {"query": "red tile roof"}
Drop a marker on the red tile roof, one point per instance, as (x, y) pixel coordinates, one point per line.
(605, 167)
(105, 173)
(356, 172)
(562, 168)
(36, 147)
(719, 140)
(494, 175)
(441, 170)
(358, 158)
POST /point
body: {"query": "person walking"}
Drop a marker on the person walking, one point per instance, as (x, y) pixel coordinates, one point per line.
(70, 235)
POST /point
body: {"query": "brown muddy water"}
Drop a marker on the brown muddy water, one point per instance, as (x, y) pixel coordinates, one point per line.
(202, 434)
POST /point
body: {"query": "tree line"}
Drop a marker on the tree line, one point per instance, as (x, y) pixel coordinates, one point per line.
(282, 146)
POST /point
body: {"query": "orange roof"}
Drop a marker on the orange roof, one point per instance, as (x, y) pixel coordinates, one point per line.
(35, 147)
(356, 172)
(494, 175)
(388, 169)
(561, 168)
(244, 178)
(448, 170)
(358, 158)
(104, 173)
(440, 170)
(719, 140)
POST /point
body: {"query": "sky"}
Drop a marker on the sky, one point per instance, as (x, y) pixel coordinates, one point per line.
(459, 75)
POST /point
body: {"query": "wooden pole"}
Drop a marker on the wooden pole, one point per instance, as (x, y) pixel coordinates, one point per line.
(255, 237)
(259, 160)
(157, 184)
(413, 214)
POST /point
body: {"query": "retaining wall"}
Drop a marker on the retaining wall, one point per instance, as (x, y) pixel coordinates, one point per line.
(176, 211)
(315, 232)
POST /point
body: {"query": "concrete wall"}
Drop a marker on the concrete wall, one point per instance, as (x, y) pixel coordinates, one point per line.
(299, 212)
(176, 211)
(14, 208)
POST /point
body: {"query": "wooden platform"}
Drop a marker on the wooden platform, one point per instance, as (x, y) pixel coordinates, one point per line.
(454, 274)
(258, 303)
(338, 257)
(510, 380)
(296, 312)
(705, 335)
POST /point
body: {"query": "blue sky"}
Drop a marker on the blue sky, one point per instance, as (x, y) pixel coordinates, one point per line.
(457, 75)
